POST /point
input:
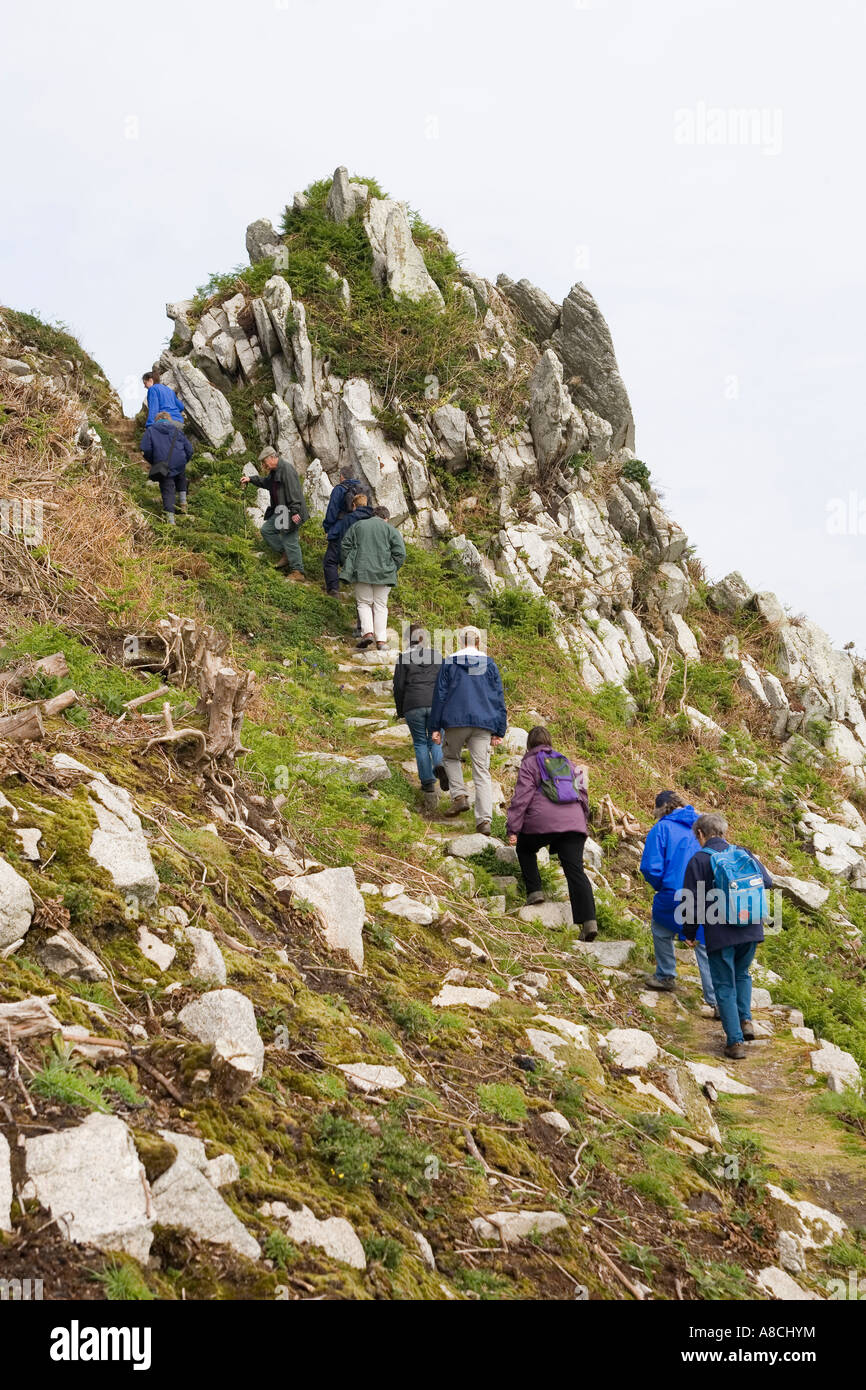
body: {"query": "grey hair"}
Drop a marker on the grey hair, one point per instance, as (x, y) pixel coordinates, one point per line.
(711, 824)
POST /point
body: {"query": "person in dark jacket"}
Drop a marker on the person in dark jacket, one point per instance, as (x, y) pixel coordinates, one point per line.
(159, 398)
(168, 451)
(669, 846)
(339, 508)
(730, 949)
(287, 510)
(468, 711)
(372, 551)
(534, 820)
(415, 678)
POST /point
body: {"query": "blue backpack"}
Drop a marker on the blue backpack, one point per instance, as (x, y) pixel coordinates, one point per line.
(557, 778)
(737, 874)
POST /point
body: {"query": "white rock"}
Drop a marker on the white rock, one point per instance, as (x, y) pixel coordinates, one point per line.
(397, 262)
(16, 905)
(364, 1076)
(334, 893)
(514, 740)
(611, 955)
(554, 1119)
(839, 1067)
(693, 1145)
(405, 907)
(780, 1285)
(517, 1225)
(184, 1197)
(157, 951)
(226, 1021)
(761, 998)
(118, 844)
(464, 846)
(6, 1191)
(646, 1088)
(718, 1077)
(805, 1035)
(791, 1254)
(91, 1180)
(550, 914)
(334, 1235)
(451, 996)
(576, 1033)
(426, 1249)
(469, 946)
(632, 1048)
(802, 892)
(208, 963)
(222, 1170)
(6, 805)
(29, 839)
(64, 955)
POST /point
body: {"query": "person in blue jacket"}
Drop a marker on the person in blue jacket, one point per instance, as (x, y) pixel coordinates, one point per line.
(669, 847)
(168, 451)
(339, 508)
(161, 398)
(468, 711)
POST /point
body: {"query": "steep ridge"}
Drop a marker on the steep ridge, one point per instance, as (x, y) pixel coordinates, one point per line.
(311, 1040)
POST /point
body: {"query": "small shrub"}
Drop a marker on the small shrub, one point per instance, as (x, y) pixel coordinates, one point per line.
(635, 471)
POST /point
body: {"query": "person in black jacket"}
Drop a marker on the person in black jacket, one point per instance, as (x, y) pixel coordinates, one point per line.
(730, 948)
(168, 451)
(414, 682)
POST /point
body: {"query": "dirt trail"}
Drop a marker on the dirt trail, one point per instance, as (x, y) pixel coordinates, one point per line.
(828, 1164)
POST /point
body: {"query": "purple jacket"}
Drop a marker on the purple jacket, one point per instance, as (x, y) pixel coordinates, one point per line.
(533, 813)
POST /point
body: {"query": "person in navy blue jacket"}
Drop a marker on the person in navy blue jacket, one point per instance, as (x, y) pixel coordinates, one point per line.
(730, 949)
(339, 508)
(669, 846)
(468, 711)
(168, 451)
(161, 398)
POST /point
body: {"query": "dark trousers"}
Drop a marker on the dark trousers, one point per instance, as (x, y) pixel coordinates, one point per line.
(568, 847)
(331, 566)
(168, 486)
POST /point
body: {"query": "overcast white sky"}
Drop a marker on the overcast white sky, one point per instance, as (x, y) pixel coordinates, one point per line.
(560, 140)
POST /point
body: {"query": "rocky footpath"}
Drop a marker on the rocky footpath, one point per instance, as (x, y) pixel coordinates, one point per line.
(267, 1032)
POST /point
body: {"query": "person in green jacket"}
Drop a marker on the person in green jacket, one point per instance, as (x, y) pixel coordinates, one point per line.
(287, 511)
(373, 551)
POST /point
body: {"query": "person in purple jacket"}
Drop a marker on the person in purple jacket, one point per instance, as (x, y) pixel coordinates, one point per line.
(536, 819)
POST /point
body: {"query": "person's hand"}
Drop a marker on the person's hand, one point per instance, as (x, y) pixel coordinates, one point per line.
(495, 741)
(244, 480)
(297, 519)
(436, 736)
(512, 839)
(691, 944)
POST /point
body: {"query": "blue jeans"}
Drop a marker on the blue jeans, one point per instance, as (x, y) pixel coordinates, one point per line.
(666, 960)
(428, 755)
(733, 985)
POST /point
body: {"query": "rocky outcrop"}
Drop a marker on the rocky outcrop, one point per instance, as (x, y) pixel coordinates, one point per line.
(539, 310)
(206, 406)
(584, 343)
(226, 1021)
(345, 198)
(397, 262)
(16, 905)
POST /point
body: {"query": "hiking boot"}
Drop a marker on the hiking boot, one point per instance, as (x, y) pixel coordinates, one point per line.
(282, 563)
(748, 1030)
(168, 518)
(483, 827)
(589, 931)
(736, 1052)
(333, 593)
(666, 984)
(381, 646)
(429, 800)
(458, 806)
(366, 641)
(533, 898)
(442, 777)
(297, 575)
(716, 1015)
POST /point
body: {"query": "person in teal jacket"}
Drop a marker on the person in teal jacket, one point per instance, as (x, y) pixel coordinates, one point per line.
(669, 846)
(372, 553)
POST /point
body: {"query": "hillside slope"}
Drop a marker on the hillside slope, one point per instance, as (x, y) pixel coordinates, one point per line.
(313, 1046)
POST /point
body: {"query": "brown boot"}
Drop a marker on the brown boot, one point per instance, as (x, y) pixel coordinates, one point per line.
(458, 806)
(483, 827)
(736, 1051)
(297, 574)
(282, 563)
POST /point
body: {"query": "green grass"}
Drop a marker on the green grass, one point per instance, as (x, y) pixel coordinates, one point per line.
(504, 1101)
(122, 1282)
